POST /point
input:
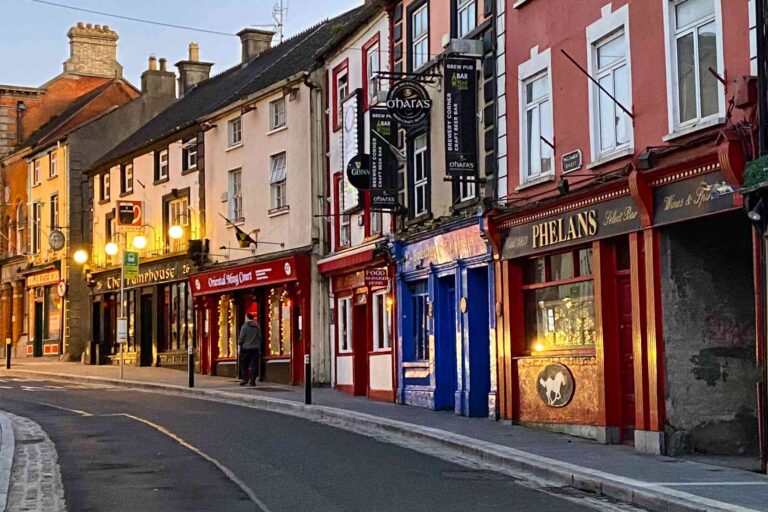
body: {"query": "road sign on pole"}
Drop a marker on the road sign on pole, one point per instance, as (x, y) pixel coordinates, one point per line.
(122, 330)
(131, 264)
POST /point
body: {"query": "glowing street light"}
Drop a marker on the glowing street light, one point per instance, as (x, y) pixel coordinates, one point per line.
(140, 242)
(176, 232)
(80, 256)
(111, 248)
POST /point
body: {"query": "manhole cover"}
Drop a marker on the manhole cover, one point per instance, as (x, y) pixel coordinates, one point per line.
(470, 474)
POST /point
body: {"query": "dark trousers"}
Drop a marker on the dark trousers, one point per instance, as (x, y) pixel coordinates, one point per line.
(250, 364)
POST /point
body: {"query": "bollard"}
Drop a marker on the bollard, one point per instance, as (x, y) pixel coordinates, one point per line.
(307, 380)
(191, 365)
(7, 353)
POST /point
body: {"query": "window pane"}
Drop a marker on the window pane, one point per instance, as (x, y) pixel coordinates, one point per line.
(621, 92)
(691, 11)
(561, 266)
(545, 114)
(585, 262)
(610, 52)
(607, 115)
(686, 78)
(533, 271)
(708, 59)
(532, 142)
(536, 89)
(560, 316)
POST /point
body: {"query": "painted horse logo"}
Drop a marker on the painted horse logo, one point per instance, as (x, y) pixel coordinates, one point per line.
(553, 387)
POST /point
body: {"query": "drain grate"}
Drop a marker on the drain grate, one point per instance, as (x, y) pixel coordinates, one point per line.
(478, 474)
(32, 440)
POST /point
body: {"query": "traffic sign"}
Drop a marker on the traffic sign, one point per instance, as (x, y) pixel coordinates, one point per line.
(130, 264)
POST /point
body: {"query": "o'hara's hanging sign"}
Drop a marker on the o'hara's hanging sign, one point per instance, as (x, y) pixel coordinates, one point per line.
(601, 220)
(408, 102)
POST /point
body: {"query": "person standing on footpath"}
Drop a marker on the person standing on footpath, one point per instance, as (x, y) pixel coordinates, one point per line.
(250, 350)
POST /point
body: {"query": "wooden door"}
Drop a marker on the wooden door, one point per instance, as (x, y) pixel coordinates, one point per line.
(627, 368)
(360, 348)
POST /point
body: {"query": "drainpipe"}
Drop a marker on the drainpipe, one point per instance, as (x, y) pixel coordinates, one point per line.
(20, 108)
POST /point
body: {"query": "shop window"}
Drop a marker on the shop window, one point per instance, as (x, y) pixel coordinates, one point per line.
(420, 301)
(559, 301)
(227, 328)
(695, 39)
(382, 322)
(52, 318)
(344, 326)
(280, 332)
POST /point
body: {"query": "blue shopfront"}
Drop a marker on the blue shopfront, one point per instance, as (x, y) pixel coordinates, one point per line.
(445, 296)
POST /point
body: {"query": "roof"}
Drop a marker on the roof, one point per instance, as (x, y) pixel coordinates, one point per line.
(293, 56)
(114, 92)
(359, 18)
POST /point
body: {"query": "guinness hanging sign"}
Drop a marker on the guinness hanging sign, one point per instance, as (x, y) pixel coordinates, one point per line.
(359, 172)
(408, 102)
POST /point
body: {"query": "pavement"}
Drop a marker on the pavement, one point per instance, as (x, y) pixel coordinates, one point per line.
(651, 482)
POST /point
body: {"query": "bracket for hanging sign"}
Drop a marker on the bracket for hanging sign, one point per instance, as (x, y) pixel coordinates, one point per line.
(428, 78)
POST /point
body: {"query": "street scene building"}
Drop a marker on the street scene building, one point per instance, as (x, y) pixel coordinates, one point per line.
(549, 220)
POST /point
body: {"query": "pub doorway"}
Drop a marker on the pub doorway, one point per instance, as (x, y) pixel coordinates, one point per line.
(38, 346)
(146, 331)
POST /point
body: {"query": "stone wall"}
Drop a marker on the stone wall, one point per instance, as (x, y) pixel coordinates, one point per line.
(709, 332)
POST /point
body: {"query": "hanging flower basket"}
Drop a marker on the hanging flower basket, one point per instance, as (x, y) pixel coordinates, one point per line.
(756, 173)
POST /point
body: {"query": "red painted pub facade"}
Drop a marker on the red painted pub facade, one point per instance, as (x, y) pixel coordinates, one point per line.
(277, 293)
(625, 302)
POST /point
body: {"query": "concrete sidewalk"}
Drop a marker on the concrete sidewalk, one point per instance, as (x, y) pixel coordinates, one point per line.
(656, 483)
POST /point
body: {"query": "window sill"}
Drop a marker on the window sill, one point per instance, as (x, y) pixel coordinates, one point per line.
(610, 157)
(423, 363)
(464, 204)
(420, 218)
(380, 351)
(36, 184)
(544, 178)
(126, 193)
(688, 130)
(277, 130)
(345, 353)
(160, 181)
(519, 3)
(238, 145)
(104, 201)
(51, 178)
(190, 170)
(238, 222)
(276, 212)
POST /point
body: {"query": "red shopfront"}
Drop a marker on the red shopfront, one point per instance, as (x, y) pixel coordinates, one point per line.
(277, 292)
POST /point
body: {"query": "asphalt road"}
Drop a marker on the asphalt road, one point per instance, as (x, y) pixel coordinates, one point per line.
(123, 450)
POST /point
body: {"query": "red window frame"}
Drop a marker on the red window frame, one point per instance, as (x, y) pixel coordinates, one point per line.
(374, 41)
(338, 70)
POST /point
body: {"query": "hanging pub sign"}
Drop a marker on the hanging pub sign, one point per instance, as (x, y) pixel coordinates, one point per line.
(460, 86)
(351, 146)
(383, 162)
(130, 215)
(408, 102)
(359, 172)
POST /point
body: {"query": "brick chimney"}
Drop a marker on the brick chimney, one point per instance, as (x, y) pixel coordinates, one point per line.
(254, 42)
(192, 71)
(158, 82)
(93, 51)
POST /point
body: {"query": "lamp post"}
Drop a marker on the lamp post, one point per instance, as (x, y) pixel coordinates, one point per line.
(112, 249)
(177, 231)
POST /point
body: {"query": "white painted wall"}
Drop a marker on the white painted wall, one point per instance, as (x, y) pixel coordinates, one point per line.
(380, 368)
(344, 374)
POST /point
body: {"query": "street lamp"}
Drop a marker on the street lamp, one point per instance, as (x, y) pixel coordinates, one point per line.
(176, 232)
(80, 256)
(139, 242)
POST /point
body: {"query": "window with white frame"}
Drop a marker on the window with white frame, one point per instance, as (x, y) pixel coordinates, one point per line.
(37, 213)
(21, 224)
(105, 188)
(236, 194)
(345, 324)
(752, 37)
(345, 226)
(161, 165)
(375, 222)
(53, 164)
(342, 90)
(467, 190)
(234, 132)
(695, 36)
(373, 67)
(611, 124)
(466, 17)
(126, 182)
(277, 113)
(189, 155)
(54, 211)
(36, 172)
(382, 322)
(536, 127)
(277, 181)
(420, 175)
(420, 37)
(178, 215)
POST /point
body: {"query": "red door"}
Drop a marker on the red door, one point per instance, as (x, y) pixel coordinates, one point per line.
(627, 368)
(360, 349)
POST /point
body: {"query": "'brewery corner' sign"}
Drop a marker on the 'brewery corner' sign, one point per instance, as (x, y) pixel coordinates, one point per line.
(460, 87)
(383, 163)
(408, 102)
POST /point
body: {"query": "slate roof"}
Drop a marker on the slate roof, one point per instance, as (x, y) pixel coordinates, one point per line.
(293, 56)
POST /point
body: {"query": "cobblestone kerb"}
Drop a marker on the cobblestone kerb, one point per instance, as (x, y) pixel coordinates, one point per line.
(36, 478)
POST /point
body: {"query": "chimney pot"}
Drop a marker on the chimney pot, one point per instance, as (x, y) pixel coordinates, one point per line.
(163, 62)
(89, 25)
(254, 42)
(80, 24)
(152, 63)
(194, 52)
(192, 71)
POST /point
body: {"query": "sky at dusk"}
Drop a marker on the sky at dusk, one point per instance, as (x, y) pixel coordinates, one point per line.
(34, 43)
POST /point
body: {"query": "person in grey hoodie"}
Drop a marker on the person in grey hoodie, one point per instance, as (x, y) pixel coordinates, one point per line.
(250, 350)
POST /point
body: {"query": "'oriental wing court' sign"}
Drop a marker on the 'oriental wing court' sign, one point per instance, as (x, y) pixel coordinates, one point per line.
(246, 276)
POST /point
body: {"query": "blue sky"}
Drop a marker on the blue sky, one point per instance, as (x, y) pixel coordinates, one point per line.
(34, 44)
